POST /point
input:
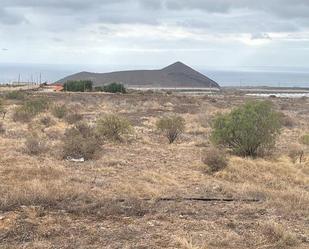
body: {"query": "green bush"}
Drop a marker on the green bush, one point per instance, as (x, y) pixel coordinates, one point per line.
(47, 121)
(286, 120)
(99, 89)
(296, 153)
(16, 95)
(80, 141)
(34, 145)
(172, 127)
(111, 88)
(78, 86)
(215, 159)
(73, 118)
(2, 128)
(305, 139)
(113, 127)
(59, 111)
(249, 130)
(114, 88)
(22, 115)
(1, 105)
(30, 109)
(2, 109)
(36, 106)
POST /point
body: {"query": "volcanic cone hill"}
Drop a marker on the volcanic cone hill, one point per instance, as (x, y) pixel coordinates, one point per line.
(177, 75)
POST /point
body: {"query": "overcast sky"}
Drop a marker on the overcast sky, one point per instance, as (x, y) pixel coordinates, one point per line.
(205, 33)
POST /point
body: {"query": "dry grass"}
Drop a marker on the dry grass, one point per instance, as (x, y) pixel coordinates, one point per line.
(47, 202)
(34, 145)
(187, 243)
(278, 236)
(2, 128)
(215, 159)
(275, 181)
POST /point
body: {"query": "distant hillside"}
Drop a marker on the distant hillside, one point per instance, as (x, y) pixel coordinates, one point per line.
(177, 75)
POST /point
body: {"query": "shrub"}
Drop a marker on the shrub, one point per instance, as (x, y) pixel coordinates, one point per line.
(34, 145)
(73, 118)
(53, 134)
(36, 106)
(80, 141)
(172, 127)
(248, 130)
(296, 154)
(98, 88)
(305, 139)
(286, 120)
(47, 121)
(78, 86)
(2, 129)
(280, 237)
(21, 115)
(215, 159)
(16, 95)
(59, 111)
(113, 127)
(114, 88)
(2, 109)
(30, 109)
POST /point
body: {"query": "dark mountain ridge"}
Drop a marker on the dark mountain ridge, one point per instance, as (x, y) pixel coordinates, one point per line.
(177, 75)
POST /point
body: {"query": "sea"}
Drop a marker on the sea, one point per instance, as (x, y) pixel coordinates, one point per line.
(232, 76)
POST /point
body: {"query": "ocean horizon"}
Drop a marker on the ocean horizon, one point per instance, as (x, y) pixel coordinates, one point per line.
(240, 77)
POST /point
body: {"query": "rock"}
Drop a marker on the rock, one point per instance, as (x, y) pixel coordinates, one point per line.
(76, 160)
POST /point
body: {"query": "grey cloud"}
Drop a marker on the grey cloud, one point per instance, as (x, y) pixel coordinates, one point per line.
(208, 5)
(240, 23)
(87, 12)
(72, 26)
(10, 18)
(67, 4)
(261, 16)
(57, 39)
(154, 5)
(260, 36)
(283, 8)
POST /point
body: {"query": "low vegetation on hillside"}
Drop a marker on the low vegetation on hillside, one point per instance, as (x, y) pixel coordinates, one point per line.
(145, 170)
(59, 111)
(305, 139)
(78, 86)
(80, 141)
(111, 88)
(172, 127)
(249, 130)
(16, 95)
(215, 159)
(87, 86)
(114, 127)
(29, 109)
(2, 109)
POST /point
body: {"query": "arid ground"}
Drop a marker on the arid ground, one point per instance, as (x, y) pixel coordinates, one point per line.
(115, 200)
